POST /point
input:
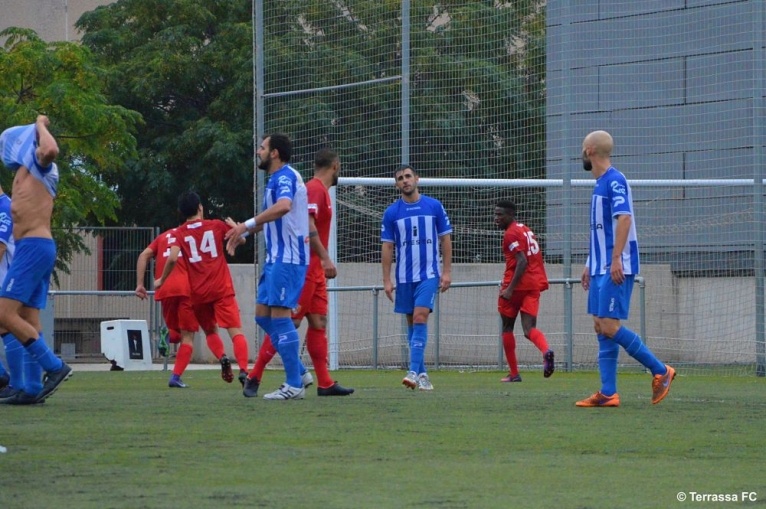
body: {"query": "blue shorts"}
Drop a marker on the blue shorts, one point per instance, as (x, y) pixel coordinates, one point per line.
(409, 296)
(280, 284)
(607, 300)
(29, 275)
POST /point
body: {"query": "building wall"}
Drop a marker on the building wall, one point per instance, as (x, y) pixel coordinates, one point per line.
(53, 20)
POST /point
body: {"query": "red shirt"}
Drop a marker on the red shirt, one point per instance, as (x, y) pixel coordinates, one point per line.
(177, 284)
(320, 207)
(519, 238)
(201, 242)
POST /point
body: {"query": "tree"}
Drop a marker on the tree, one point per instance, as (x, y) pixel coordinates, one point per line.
(186, 66)
(95, 137)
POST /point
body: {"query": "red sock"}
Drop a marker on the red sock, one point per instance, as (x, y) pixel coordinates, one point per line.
(537, 337)
(316, 344)
(265, 354)
(509, 345)
(215, 344)
(183, 358)
(239, 343)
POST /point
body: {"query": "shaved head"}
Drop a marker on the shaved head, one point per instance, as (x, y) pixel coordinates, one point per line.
(601, 142)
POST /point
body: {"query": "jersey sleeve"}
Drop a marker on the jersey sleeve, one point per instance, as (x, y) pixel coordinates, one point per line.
(515, 241)
(443, 226)
(388, 225)
(618, 195)
(6, 225)
(286, 188)
(316, 201)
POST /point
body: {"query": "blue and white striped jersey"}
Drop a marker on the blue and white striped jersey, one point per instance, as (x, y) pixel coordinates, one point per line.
(415, 229)
(6, 235)
(611, 198)
(18, 147)
(287, 238)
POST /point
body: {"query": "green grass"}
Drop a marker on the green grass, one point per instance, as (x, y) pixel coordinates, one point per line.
(124, 440)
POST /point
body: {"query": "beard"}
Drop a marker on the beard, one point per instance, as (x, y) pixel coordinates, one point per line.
(264, 164)
(586, 164)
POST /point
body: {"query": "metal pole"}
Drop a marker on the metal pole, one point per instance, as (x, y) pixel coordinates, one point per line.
(405, 81)
(375, 326)
(437, 331)
(567, 188)
(258, 130)
(758, 187)
(332, 318)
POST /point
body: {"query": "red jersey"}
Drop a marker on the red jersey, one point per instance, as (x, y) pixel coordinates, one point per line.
(177, 284)
(519, 238)
(201, 242)
(320, 207)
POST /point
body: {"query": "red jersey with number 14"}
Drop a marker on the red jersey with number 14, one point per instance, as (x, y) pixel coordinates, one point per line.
(519, 238)
(177, 284)
(201, 242)
(320, 207)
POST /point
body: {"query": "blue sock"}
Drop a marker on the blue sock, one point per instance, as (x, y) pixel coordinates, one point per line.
(288, 345)
(33, 375)
(3, 371)
(14, 354)
(418, 347)
(264, 322)
(44, 355)
(632, 344)
(608, 352)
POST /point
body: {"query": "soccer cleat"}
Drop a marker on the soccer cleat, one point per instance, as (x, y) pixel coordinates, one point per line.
(661, 385)
(548, 365)
(286, 392)
(21, 398)
(307, 379)
(4, 381)
(335, 389)
(226, 373)
(424, 383)
(242, 377)
(599, 399)
(53, 380)
(511, 378)
(411, 380)
(250, 390)
(7, 392)
(175, 381)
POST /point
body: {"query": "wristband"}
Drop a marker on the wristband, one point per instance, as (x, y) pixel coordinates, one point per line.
(250, 223)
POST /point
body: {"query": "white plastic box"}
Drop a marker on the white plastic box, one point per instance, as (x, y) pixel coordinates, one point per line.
(126, 344)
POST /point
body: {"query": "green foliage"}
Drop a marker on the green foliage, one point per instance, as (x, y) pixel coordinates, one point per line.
(95, 137)
(125, 440)
(186, 66)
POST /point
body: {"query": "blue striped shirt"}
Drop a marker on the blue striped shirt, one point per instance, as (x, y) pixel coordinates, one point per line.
(18, 147)
(415, 229)
(6, 235)
(287, 238)
(611, 198)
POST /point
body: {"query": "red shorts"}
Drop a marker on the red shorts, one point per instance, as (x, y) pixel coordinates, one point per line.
(526, 301)
(313, 299)
(222, 312)
(179, 314)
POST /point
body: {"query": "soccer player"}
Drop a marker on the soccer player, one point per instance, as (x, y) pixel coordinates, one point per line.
(25, 373)
(284, 220)
(523, 280)
(175, 299)
(313, 300)
(29, 151)
(212, 291)
(416, 226)
(609, 272)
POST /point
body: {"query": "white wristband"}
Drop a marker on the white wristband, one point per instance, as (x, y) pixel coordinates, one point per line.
(250, 223)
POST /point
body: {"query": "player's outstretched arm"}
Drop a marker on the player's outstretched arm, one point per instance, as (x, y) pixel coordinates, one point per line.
(143, 260)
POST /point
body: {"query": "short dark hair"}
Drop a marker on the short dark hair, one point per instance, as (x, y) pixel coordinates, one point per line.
(324, 158)
(282, 144)
(507, 205)
(188, 204)
(403, 167)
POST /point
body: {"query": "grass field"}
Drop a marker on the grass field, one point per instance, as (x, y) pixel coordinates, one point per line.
(124, 440)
